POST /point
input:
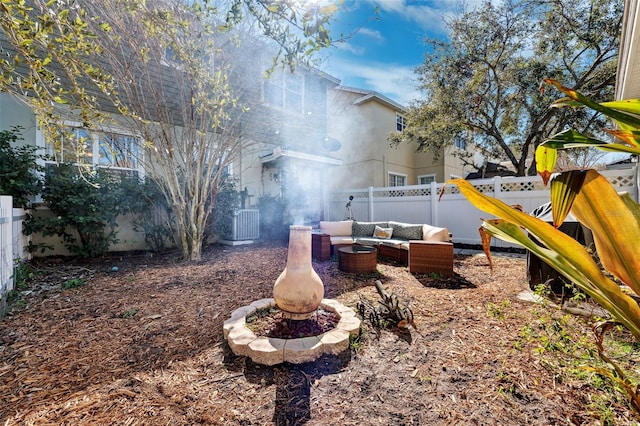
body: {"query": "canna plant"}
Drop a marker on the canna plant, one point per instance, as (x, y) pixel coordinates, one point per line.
(613, 218)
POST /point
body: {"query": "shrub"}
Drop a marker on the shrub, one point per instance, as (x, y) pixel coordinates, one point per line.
(273, 225)
(85, 204)
(227, 200)
(152, 215)
(18, 168)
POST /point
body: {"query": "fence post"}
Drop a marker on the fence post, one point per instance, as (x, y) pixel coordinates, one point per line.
(6, 250)
(497, 187)
(370, 200)
(433, 204)
(636, 179)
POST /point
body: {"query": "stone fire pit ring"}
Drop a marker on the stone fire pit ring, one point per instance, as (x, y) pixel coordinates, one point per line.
(272, 351)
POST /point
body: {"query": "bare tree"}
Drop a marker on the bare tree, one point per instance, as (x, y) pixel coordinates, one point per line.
(165, 70)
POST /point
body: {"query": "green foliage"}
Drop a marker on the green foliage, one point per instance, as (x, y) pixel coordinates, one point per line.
(22, 274)
(227, 200)
(498, 310)
(85, 205)
(478, 84)
(563, 343)
(129, 312)
(273, 225)
(152, 215)
(18, 168)
(73, 283)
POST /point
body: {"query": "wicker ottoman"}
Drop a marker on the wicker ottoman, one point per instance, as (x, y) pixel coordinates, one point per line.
(357, 259)
(431, 257)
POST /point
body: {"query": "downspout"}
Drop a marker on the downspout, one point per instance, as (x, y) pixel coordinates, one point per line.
(384, 171)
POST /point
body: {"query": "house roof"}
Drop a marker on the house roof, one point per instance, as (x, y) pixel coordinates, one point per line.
(370, 95)
(279, 153)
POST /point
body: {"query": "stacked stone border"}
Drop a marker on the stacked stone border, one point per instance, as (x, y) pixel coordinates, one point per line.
(273, 351)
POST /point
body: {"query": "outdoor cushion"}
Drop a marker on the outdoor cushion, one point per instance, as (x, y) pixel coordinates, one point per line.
(341, 240)
(406, 231)
(372, 241)
(366, 229)
(433, 233)
(336, 228)
(383, 233)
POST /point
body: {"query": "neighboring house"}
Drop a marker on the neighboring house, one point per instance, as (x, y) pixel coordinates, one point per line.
(362, 121)
(287, 155)
(294, 154)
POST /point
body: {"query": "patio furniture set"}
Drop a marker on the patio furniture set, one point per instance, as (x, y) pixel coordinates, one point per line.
(423, 248)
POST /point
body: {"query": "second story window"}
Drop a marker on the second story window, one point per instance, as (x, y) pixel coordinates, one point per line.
(426, 179)
(460, 141)
(401, 122)
(396, 179)
(284, 90)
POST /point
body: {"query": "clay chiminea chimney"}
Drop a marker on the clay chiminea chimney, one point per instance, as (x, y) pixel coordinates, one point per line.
(298, 291)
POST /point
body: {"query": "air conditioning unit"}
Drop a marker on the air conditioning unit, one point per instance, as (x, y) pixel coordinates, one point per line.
(245, 225)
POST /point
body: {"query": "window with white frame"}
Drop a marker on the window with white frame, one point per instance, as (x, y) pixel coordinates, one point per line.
(116, 151)
(396, 179)
(426, 179)
(460, 141)
(284, 90)
(401, 122)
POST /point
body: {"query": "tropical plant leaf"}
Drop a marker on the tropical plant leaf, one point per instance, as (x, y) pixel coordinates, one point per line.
(615, 114)
(564, 190)
(546, 158)
(615, 224)
(559, 250)
(573, 139)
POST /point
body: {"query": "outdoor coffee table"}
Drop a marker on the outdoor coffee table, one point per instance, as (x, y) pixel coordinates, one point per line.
(357, 259)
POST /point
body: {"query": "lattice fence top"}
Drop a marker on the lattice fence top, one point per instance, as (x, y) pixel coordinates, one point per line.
(622, 180)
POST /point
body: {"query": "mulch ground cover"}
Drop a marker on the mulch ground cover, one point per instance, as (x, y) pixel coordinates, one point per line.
(137, 340)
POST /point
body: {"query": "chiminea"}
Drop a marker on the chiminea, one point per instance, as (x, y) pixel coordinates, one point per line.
(298, 291)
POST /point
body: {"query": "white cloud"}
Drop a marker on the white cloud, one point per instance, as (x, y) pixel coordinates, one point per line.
(427, 14)
(376, 35)
(397, 82)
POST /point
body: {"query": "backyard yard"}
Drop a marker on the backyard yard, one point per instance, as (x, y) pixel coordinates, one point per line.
(137, 340)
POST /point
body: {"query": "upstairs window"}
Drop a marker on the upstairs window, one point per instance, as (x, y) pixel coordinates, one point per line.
(401, 122)
(426, 179)
(396, 179)
(460, 141)
(284, 90)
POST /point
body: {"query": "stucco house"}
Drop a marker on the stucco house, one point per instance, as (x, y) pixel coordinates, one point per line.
(362, 121)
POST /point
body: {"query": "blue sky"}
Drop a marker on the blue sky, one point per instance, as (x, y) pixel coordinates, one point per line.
(382, 54)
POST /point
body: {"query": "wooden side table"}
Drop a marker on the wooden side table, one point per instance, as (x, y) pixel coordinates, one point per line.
(321, 246)
(357, 259)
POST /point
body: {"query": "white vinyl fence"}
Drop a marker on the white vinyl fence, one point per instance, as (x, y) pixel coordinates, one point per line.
(421, 204)
(12, 245)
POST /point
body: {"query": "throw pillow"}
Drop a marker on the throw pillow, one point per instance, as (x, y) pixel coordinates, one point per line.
(366, 229)
(383, 233)
(406, 231)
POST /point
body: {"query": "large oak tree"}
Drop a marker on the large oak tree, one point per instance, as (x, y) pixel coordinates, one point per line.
(483, 82)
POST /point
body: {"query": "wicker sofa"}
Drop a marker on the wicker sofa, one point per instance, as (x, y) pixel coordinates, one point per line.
(423, 247)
